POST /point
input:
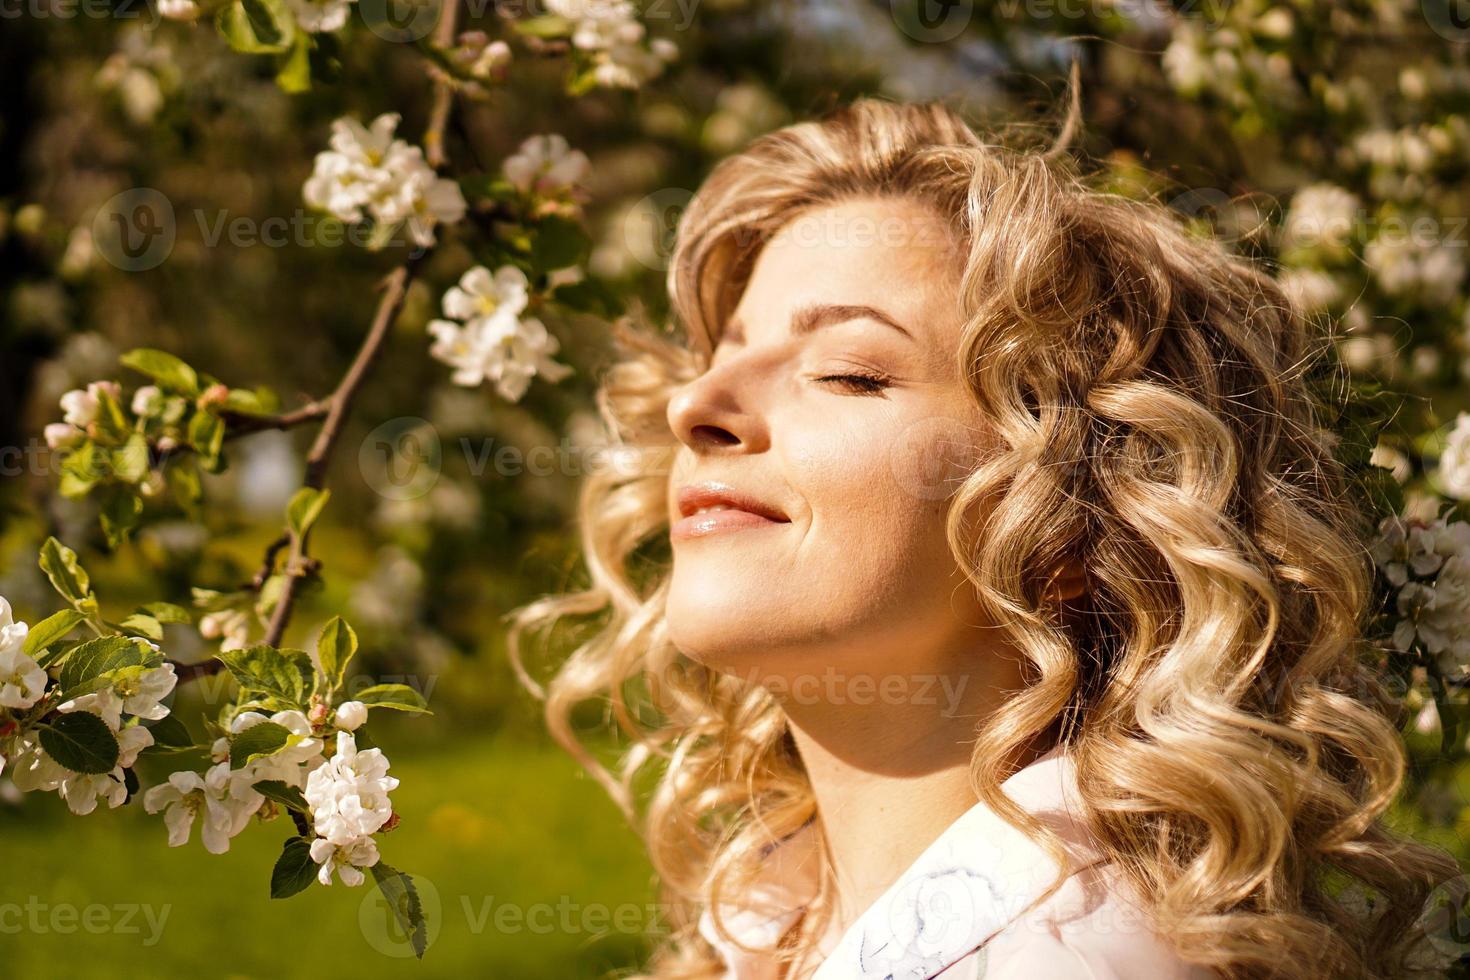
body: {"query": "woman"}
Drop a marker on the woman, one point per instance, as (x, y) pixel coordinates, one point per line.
(1012, 620)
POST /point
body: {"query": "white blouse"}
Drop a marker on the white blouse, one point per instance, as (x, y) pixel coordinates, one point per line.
(956, 912)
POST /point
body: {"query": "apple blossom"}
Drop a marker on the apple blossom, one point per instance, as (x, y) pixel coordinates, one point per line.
(22, 681)
(62, 435)
(222, 802)
(317, 16)
(350, 715)
(345, 859)
(546, 164)
(492, 344)
(349, 793)
(367, 172)
(135, 691)
(1454, 460)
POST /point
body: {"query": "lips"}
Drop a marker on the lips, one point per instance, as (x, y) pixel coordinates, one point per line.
(712, 508)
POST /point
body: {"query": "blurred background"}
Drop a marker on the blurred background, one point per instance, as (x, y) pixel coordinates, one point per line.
(1327, 138)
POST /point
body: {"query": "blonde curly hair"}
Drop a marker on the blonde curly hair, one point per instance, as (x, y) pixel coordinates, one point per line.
(1236, 751)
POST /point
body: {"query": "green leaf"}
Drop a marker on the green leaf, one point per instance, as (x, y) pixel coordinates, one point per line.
(112, 424)
(130, 461)
(166, 612)
(51, 629)
(143, 625)
(164, 368)
(67, 577)
(80, 741)
(82, 469)
(182, 477)
(279, 678)
(283, 793)
(403, 899)
(294, 74)
(87, 662)
(294, 869)
(334, 650)
(400, 697)
(169, 732)
(260, 739)
(119, 513)
(256, 26)
(207, 435)
(546, 26)
(244, 401)
(305, 507)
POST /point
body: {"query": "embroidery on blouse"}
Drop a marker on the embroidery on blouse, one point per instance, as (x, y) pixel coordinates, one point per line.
(978, 876)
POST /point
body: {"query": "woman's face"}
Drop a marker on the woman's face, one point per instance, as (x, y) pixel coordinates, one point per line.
(823, 426)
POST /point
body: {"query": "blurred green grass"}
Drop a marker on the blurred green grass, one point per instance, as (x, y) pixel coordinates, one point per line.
(535, 872)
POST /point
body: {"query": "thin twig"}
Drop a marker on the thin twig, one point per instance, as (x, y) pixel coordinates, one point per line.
(238, 424)
(334, 409)
(299, 562)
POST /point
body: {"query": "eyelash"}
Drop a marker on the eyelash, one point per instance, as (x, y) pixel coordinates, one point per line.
(859, 383)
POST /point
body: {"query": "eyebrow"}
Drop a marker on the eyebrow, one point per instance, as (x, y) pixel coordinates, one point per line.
(814, 316)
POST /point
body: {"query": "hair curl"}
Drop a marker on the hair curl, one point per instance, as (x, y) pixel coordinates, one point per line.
(1236, 751)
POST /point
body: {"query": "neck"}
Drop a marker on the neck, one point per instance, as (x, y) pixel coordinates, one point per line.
(889, 775)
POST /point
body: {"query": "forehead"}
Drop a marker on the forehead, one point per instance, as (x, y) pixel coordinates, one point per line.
(888, 252)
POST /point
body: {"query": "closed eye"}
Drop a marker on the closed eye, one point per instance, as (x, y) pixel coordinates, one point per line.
(858, 384)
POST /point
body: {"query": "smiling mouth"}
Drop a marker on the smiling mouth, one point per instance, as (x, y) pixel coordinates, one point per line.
(714, 508)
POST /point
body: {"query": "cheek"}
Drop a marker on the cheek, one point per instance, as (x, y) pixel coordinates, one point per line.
(878, 493)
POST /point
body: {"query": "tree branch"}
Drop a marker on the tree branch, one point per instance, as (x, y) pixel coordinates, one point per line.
(335, 409)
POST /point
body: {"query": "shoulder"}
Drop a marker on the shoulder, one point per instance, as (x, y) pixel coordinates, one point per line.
(1092, 928)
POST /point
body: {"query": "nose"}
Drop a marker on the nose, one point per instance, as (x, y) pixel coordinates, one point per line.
(715, 414)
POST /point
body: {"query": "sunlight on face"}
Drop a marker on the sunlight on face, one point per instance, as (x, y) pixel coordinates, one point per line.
(818, 450)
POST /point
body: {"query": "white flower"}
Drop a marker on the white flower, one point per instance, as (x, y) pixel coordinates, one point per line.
(479, 294)
(233, 625)
(31, 768)
(223, 802)
(507, 353)
(316, 16)
(1445, 624)
(62, 435)
(491, 59)
(611, 32)
(432, 200)
(1454, 461)
(630, 65)
(350, 715)
(147, 400)
(81, 791)
(546, 164)
(349, 794)
(80, 406)
(135, 693)
(369, 172)
(130, 741)
(1310, 289)
(1320, 213)
(179, 9)
(1401, 547)
(286, 764)
(1184, 60)
(345, 859)
(22, 681)
(493, 344)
